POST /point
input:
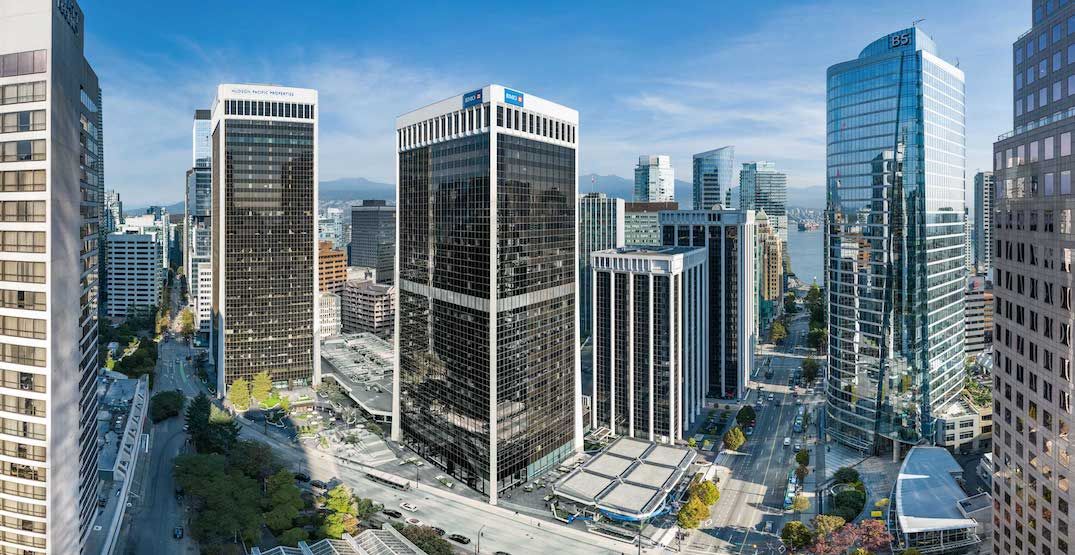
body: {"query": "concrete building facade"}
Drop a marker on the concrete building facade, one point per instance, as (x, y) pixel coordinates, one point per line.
(135, 279)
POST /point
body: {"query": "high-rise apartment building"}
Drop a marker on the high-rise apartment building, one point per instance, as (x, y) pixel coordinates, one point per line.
(714, 175)
(655, 179)
(264, 226)
(373, 238)
(649, 341)
(331, 267)
(49, 264)
(368, 306)
(112, 212)
(1033, 245)
(731, 329)
(641, 227)
(197, 222)
(894, 242)
(979, 314)
(761, 187)
(983, 222)
(771, 256)
(600, 228)
(135, 278)
(487, 384)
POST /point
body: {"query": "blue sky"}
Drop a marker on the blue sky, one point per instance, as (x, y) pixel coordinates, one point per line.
(656, 77)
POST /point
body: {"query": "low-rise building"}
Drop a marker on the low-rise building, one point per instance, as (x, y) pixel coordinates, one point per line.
(368, 307)
(135, 277)
(362, 365)
(329, 308)
(926, 512)
(331, 267)
(384, 541)
(965, 426)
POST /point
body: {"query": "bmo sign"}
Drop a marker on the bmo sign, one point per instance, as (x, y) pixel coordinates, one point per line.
(899, 39)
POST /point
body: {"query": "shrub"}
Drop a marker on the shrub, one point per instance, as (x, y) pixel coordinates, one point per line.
(846, 475)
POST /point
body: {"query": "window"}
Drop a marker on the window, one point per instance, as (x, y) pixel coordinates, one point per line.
(1057, 92)
(30, 328)
(23, 272)
(20, 151)
(1065, 144)
(1043, 68)
(1056, 61)
(1048, 148)
(23, 180)
(1030, 102)
(23, 63)
(18, 93)
(1065, 182)
(22, 241)
(1043, 98)
(18, 122)
(1034, 151)
(22, 211)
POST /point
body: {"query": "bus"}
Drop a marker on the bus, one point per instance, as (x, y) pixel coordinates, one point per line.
(389, 480)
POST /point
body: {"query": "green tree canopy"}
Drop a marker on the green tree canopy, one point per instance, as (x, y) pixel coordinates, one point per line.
(827, 524)
(166, 404)
(340, 500)
(253, 458)
(692, 513)
(261, 386)
(800, 504)
(803, 457)
(746, 415)
(239, 394)
(734, 438)
(846, 475)
(706, 492)
(778, 332)
(186, 323)
(810, 369)
(426, 539)
(292, 537)
(796, 535)
(801, 472)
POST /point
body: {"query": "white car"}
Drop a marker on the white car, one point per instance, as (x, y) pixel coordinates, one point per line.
(787, 441)
(798, 447)
(408, 507)
(771, 396)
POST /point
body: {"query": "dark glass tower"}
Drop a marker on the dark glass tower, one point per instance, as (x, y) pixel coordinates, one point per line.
(373, 238)
(487, 370)
(265, 234)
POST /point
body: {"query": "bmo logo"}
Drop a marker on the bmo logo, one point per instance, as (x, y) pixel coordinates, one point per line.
(896, 41)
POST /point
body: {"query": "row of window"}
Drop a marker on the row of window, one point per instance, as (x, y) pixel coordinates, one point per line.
(269, 109)
(22, 211)
(22, 151)
(478, 117)
(23, 63)
(1041, 99)
(22, 181)
(18, 93)
(19, 122)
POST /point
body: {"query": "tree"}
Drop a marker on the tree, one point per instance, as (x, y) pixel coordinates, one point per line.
(165, 405)
(254, 459)
(873, 535)
(848, 504)
(186, 323)
(426, 539)
(692, 513)
(692, 443)
(790, 306)
(239, 394)
(280, 518)
(746, 415)
(365, 508)
(796, 535)
(861, 551)
(846, 475)
(734, 438)
(226, 501)
(261, 386)
(803, 457)
(800, 504)
(340, 500)
(706, 492)
(825, 525)
(778, 332)
(292, 537)
(282, 491)
(801, 472)
(333, 527)
(198, 417)
(810, 369)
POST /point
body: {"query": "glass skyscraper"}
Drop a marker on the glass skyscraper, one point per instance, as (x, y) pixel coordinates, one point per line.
(761, 187)
(373, 238)
(894, 240)
(488, 382)
(714, 175)
(655, 179)
(601, 227)
(197, 222)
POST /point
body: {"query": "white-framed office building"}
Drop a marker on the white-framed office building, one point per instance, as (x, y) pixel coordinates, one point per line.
(649, 340)
(729, 239)
(655, 179)
(51, 171)
(601, 227)
(264, 225)
(135, 277)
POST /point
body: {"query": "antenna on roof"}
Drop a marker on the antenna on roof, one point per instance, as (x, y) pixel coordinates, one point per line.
(593, 182)
(917, 21)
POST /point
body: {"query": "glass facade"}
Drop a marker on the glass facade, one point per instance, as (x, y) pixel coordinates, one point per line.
(894, 241)
(714, 175)
(373, 238)
(601, 227)
(447, 357)
(268, 248)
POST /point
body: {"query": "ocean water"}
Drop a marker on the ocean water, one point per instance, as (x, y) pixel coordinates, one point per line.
(807, 254)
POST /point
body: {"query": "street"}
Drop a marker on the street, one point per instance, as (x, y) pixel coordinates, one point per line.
(754, 493)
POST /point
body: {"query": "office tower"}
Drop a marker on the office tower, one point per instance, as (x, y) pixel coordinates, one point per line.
(152, 225)
(655, 179)
(894, 242)
(983, 222)
(331, 267)
(968, 246)
(329, 304)
(1032, 282)
(770, 268)
(729, 239)
(714, 175)
(640, 224)
(265, 234)
(135, 279)
(330, 227)
(979, 314)
(600, 228)
(761, 187)
(112, 212)
(373, 238)
(50, 276)
(197, 222)
(368, 306)
(488, 385)
(649, 341)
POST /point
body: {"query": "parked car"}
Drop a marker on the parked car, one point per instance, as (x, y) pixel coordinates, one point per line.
(768, 527)
(178, 533)
(459, 538)
(414, 521)
(393, 513)
(318, 484)
(798, 447)
(301, 477)
(409, 507)
(787, 442)
(438, 531)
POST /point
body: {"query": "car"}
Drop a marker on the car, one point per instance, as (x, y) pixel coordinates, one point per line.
(798, 447)
(318, 484)
(438, 531)
(749, 432)
(414, 522)
(768, 527)
(760, 401)
(393, 513)
(787, 442)
(409, 507)
(772, 396)
(177, 533)
(459, 538)
(302, 477)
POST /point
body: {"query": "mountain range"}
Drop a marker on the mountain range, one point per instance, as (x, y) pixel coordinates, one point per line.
(349, 189)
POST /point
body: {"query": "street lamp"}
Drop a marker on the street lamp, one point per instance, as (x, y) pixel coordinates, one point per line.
(478, 547)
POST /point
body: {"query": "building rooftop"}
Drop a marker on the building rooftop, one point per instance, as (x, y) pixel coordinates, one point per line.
(362, 365)
(927, 494)
(386, 541)
(630, 479)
